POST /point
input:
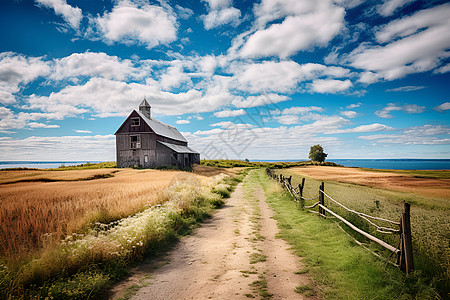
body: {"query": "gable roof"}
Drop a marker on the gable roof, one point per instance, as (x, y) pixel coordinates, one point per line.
(162, 129)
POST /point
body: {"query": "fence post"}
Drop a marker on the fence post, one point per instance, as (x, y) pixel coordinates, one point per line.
(290, 179)
(321, 199)
(301, 187)
(406, 255)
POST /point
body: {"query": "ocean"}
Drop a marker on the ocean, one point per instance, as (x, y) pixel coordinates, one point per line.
(384, 164)
(396, 164)
(40, 164)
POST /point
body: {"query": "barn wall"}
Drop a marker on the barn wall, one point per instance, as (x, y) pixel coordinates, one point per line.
(164, 156)
(127, 157)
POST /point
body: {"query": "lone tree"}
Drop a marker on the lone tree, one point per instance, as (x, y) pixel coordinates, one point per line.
(316, 153)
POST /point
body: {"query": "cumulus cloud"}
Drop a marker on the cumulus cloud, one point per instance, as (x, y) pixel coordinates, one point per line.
(349, 114)
(260, 100)
(83, 131)
(42, 125)
(412, 44)
(118, 98)
(146, 24)
(91, 64)
(331, 86)
(418, 135)
(408, 108)
(363, 128)
(182, 121)
(305, 24)
(354, 105)
(17, 70)
(368, 77)
(443, 107)
(230, 113)
(288, 119)
(221, 12)
(283, 76)
(72, 15)
(295, 110)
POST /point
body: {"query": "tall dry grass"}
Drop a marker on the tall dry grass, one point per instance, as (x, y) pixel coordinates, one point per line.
(37, 214)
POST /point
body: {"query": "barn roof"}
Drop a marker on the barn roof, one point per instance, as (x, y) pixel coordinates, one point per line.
(163, 129)
(178, 148)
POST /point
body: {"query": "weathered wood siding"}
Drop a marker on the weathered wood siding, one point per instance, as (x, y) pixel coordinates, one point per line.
(151, 153)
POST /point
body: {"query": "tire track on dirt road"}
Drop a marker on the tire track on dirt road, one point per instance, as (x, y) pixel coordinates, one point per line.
(234, 255)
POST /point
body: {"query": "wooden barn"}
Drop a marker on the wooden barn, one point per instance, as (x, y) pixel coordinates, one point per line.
(145, 142)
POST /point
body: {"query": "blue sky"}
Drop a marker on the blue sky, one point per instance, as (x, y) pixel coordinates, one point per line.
(240, 79)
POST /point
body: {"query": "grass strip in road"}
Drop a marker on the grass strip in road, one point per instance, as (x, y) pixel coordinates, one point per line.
(341, 268)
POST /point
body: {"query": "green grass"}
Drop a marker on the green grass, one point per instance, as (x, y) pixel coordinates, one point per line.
(229, 163)
(88, 165)
(429, 221)
(341, 268)
(257, 257)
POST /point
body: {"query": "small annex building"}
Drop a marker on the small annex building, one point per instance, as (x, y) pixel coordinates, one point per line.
(144, 142)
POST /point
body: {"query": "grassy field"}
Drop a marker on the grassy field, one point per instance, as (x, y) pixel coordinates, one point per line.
(87, 231)
(341, 268)
(429, 219)
(230, 163)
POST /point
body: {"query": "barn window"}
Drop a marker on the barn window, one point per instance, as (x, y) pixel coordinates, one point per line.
(135, 141)
(135, 121)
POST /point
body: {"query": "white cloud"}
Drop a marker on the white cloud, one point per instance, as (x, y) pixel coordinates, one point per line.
(288, 119)
(17, 70)
(216, 18)
(260, 100)
(295, 110)
(146, 24)
(182, 121)
(368, 77)
(414, 44)
(354, 105)
(406, 88)
(443, 107)
(184, 12)
(42, 125)
(390, 6)
(77, 148)
(419, 135)
(349, 114)
(283, 76)
(117, 98)
(307, 24)
(239, 141)
(363, 128)
(443, 69)
(91, 64)
(230, 113)
(83, 131)
(72, 15)
(269, 76)
(331, 86)
(408, 108)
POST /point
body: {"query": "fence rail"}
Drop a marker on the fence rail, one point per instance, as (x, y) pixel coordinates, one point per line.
(404, 252)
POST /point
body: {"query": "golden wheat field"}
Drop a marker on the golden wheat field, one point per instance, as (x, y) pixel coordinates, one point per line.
(36, 214)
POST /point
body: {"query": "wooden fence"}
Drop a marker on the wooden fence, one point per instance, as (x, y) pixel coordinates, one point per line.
(402, 228)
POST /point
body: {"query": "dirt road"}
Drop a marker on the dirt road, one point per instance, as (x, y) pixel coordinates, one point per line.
(234, 255)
